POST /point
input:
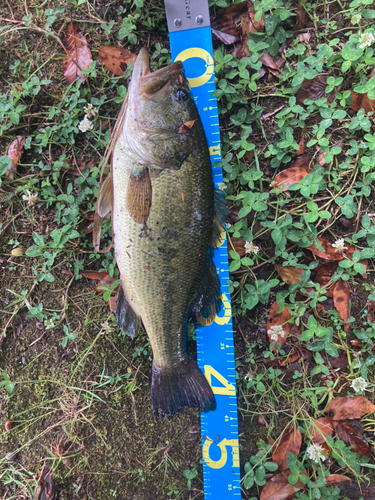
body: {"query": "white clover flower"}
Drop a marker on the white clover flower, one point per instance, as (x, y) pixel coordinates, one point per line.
(359, 384)
(251, 248)
(339, 244)
(315, 453)
(356, 363)
(222, 186)
(275, 332)
(31, 198)
(90, 111)
(366, 40)
(248, 377)
(228, 225)
(273, 184)
(106, 327)
(85, 125)
(356, 18)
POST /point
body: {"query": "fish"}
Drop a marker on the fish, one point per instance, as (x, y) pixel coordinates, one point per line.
(166, 220)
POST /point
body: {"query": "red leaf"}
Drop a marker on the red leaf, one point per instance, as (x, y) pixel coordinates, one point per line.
(290, 441)
(361, 101)
(315, 89)
(237, 244)
(278, 488)
(80, 55)
(290, 176)
(348, 433)
(87, 223)
(329, 252)
(116, 58)
(276, 319)
(336, 478)
(301, 144)
(15, 151)
(268, 61)
(321, 428)
(112, 303)
(350, 408)
(326, 268)
(94, 275)
(341, 298)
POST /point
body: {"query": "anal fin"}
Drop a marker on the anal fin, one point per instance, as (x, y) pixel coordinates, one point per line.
(127, 319)
(207, 303)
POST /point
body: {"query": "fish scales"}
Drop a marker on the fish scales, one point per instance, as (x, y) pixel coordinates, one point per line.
(163, 204)
(165, 260)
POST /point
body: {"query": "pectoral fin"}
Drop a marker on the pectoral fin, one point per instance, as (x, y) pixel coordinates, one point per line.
(139, 196)
(105, 198)
(127, 319)
(207, 303)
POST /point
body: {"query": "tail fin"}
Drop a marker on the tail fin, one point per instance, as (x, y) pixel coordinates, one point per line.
(181, 385)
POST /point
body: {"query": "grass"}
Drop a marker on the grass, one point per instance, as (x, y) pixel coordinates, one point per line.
(77, 392)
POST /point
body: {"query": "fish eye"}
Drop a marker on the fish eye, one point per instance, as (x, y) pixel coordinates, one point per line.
(181, 94)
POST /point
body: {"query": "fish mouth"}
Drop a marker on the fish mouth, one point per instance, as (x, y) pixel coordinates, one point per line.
(154, 85)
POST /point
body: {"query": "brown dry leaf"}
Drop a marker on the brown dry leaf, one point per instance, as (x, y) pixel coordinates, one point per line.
(80, 55)
(105, 281)
(329, 252)
(301, 144)
(341, 361)
(15, 151)
(315, 89)
(227, 27)
(360, 101)
(302, 17)
(348, 433)
(276, 319)
(94, 275)
(46, 489)
(258, 26)
(237, 244)
(341, 298)
(326, 268)
(269, 61)
(290, 441)
(336, 478)
(289, 274)
(290, 176)
(350, 408)
(321, 428)
(116, 58)
(371, 311)
(278, 488)
(87, 223)
(112, 304)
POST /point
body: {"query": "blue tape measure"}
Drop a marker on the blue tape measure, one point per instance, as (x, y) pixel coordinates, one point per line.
(191, 43)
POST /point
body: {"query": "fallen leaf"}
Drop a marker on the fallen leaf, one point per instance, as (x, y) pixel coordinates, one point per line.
(112, 304)
(106, 281)
(269, 61)
(227, 27)
(87, 223)
(336, 478)
(17, 252)
(289, 274)
(371, 311)
(258, 26)
(237, 244)
(80, 55)
(302, 17)
(350, 408)
(361, 101)
(341, 361)
(301, 144)
(321, 428)
(94, 275)
(341, 298)
(46, 489)
(278, 488)
(15, 151)
(290, 441)
(116, 59)
(315, 89)
(279, 320)
(348, 433)
(329, 252)
(290, 176)
(326, 268)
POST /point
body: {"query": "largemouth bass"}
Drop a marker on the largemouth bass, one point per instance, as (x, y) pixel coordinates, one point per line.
(161, 193)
